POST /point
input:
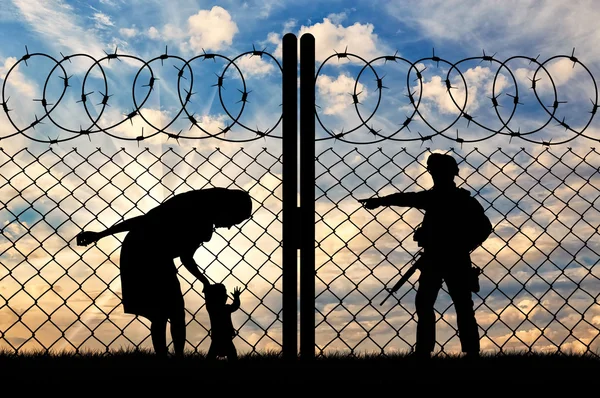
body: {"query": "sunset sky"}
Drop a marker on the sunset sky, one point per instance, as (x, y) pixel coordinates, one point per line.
(541, 272)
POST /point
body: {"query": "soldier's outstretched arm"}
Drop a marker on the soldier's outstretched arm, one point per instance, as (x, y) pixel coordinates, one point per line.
(403, 199)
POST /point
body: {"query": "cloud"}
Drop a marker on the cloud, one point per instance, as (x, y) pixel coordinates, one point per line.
(16, 79)
(331, 36)
(128, 32)
(102, 20)
(153, 33)
(212, 29)
(338, 93)
(254, 66)
(56, 22)
(523, 26)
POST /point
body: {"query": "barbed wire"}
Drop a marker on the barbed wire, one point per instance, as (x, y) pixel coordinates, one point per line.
(94, 128)
(414, 99)
(460, 108)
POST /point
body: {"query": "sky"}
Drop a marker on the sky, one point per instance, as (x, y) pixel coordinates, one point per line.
(540, 281)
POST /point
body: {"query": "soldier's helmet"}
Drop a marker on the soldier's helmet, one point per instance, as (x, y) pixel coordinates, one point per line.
(442, 164)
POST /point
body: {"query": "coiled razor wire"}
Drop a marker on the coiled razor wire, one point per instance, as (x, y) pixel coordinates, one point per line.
(377, 135)
(94, 128)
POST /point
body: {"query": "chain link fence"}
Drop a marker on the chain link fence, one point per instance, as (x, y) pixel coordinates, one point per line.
(57, 296)
(540, 282)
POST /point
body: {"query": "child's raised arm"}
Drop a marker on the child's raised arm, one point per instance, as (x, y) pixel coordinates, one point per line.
(236, 300)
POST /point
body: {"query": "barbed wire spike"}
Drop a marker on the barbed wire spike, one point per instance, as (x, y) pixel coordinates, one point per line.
(448, 84)
(342, 55)
(180, 72)
(556, 103)
(257, 52)
(565, 125)
(459, 140)
(355, 98)
(140, 137)
(547, 143)
(595, 107)
(389, 57)
(373, 131)
(188, 95)
(26, 56)
(406, 122)
(43, 101)
(261, 133)
(131, 115)
(513, 134)
(515, 99)
(339, 135)
(573, 58)
(244, 96)
(113, 55)
(380, 83)
(53, 141)
(410, 97)
(175, 137)
(207, 56)
(105, 98)
(163, 57)
(533, 82)
(469, 118)
(419, 74)
(423, 139)
(65, 57)
(435, 59)
(219, 82)
(35, 122)
(192, 120)
(534, 59)
(226, 129)
(84, 97)
(487, 57)
(5, 106)
(495, 101)
(85, 132)
(66, 80)
(151, 83)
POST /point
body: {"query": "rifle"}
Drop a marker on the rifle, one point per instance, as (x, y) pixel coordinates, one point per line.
(417, 259)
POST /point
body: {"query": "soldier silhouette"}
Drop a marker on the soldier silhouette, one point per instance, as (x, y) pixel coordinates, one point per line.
(175, 228)
(454, 224)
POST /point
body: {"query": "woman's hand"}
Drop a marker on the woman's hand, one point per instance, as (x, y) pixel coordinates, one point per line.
(86, 237)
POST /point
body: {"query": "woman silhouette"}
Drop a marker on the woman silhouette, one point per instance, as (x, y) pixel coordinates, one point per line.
(175, 228)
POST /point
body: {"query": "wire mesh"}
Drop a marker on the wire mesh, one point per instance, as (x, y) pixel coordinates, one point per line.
(58, 296)
(540, 282)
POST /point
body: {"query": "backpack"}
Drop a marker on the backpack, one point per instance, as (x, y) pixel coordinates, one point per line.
(455, 220)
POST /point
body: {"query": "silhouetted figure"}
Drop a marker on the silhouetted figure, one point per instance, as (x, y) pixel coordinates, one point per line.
(222, 331)
(175, 228)
(454, 224)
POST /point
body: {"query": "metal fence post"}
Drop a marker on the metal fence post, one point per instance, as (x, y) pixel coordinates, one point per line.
(290, 196)
(307, 196)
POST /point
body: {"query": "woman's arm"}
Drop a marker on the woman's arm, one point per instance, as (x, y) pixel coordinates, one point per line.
(86, 237)
(189, 263)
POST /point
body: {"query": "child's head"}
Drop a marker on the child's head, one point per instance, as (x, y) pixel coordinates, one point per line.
(216, 294)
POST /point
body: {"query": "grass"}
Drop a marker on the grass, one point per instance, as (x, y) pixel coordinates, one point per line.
(268, 368)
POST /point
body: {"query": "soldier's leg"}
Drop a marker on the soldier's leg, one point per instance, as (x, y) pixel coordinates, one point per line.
(430, 283)
(460, 292)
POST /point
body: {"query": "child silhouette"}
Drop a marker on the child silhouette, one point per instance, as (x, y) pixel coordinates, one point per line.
(222, 331)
